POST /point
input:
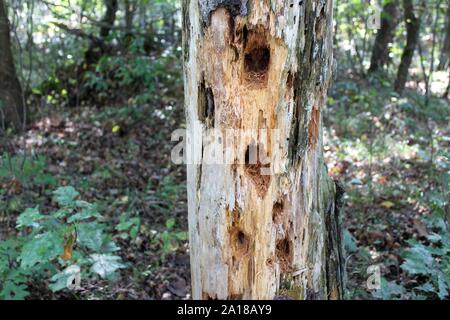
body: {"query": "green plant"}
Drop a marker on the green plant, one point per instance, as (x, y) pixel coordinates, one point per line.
(389, 290)
(431, 262)
(164, 197)
(170, 238)
(25, 169)
(129, 227)
(19, 174)
(59, 246)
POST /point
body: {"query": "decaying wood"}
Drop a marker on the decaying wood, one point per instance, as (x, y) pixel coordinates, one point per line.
(261, 65)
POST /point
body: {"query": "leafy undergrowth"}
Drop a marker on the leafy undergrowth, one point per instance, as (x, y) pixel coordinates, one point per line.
(392, 154)
(36, 251)
(118, 160)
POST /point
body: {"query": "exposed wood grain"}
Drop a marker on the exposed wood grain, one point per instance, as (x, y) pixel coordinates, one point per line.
(257, 236)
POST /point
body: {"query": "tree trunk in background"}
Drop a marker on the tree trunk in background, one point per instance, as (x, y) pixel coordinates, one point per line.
(108, 19)
(130, 8)
(412, 38)
(97, 48)
(12, 108)
(385, 36)
(445, 54)
(260, 64)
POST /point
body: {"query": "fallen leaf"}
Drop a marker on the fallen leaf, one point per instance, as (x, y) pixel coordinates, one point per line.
(421, 228)
(387, 204)
(178, 287)
(382, 180)
(67, 254)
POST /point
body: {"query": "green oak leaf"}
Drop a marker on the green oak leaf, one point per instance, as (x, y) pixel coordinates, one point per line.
(13, 291)
(418, 260)
(29, 218)
(105, 264)
(40, 249)
(65, 196)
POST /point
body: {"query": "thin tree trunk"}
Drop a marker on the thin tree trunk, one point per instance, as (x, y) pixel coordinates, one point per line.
(412, 38)
(97, 47)
(108, 19)
(12, 108)
(385, 36)
(257, 232)
(445, 53)
(130, 8)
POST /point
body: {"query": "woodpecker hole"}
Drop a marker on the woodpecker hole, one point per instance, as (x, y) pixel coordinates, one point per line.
(240, 242)
(277, 211)
(206, 106)
(284, 253)
(256, 170)
(256, 56)
(257, 61)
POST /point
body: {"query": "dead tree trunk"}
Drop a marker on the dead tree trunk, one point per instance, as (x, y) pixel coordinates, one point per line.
(380, 52)
(257, 72)
(412, 38)
(12, 107)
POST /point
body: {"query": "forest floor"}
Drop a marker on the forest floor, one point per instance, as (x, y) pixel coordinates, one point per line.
(392, 155)
(119, 158)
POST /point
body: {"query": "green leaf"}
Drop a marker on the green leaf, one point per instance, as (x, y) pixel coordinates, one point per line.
(9, 250)
(91, 235)
(89, 211)
(415, 296)
(170, 223)
(109, 246)
(434, 237)
(84, 204)
(29, 218)
(65, 196)
(124, 226)
(181, 235)
(134, 231)
(167, 239)
(13, 291)
(132, 225)
(443, 291)
(105, 264)
(389, 290)
(418, 260)
(40, 249)
(426, 287)
(45, 179)
(61, 213)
